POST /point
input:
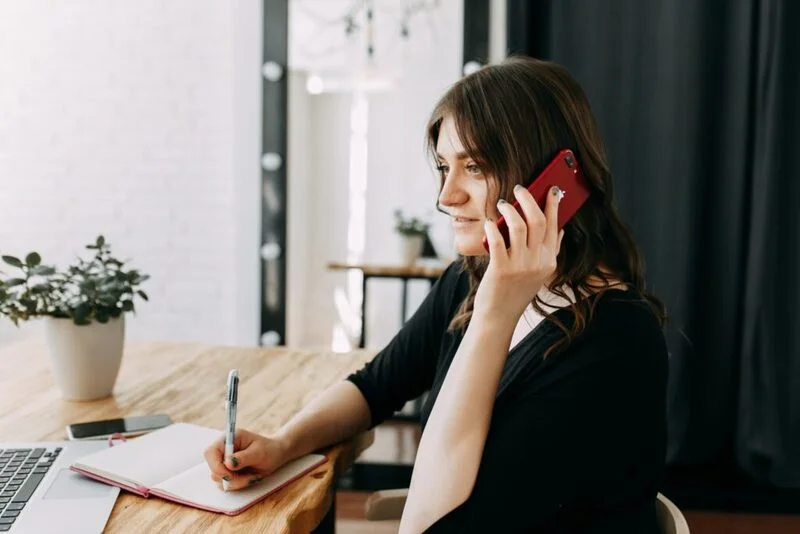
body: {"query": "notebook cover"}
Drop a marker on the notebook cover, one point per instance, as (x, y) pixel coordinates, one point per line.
(138, 490)
(145, 492)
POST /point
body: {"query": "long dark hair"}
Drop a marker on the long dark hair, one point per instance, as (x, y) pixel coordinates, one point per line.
(512, 119)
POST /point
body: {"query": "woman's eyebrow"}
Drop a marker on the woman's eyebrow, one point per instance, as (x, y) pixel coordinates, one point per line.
(459, 156)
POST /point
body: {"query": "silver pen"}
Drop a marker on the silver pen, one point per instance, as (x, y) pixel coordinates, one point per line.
(230, 408)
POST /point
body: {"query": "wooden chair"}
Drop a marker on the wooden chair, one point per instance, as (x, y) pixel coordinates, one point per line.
(388, 505)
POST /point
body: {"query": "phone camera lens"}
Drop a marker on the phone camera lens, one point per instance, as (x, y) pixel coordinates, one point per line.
(570, 161)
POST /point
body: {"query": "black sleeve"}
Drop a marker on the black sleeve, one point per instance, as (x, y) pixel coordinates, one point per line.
(591, 431)
(405, 368)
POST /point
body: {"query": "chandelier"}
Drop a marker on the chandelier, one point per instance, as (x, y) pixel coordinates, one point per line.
(356, 46)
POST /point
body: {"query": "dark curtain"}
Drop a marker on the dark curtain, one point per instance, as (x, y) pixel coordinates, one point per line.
(699, 104)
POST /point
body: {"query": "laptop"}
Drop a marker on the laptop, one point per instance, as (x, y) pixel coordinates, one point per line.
(38, 492)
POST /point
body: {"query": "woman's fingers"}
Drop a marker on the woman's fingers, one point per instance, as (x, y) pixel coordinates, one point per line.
(551, 239)
(213, 456)
(535, 219)
(517, 228)
(497, 247)
(533, 227)
(238, 481)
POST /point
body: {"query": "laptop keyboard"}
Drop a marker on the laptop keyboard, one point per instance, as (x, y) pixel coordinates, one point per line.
(21, 471)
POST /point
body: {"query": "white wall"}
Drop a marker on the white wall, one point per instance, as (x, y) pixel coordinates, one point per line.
(247, 32)
(135, 120)
(399, 174)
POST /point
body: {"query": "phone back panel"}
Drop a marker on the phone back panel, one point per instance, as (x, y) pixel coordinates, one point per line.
(565, 172)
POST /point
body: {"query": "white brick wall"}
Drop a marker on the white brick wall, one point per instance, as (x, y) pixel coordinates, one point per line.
(118, 117)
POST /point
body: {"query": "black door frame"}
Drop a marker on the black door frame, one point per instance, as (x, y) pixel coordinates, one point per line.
(274, 134)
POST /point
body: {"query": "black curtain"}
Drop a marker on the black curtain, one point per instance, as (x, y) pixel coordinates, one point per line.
(699, 103)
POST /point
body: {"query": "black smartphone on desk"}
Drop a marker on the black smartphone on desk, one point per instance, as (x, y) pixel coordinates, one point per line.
(126, 426)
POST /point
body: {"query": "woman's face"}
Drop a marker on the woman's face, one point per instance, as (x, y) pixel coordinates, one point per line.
(466, 192)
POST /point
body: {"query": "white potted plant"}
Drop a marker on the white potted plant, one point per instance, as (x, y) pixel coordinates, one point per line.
(84, 310)
(412, 231)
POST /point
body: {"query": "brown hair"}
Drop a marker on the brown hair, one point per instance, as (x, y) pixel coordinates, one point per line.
(512, 119)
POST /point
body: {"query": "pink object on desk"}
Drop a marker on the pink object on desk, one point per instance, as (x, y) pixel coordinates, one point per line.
(169, 464)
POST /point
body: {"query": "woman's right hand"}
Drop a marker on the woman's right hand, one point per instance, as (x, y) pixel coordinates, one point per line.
(254, 458)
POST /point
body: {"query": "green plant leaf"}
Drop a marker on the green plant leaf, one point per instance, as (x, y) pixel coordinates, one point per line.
(81, 321)
(82, 312)
(102, 316)
(87, 285)
(107, 301)
(13, 282)
(11, 260)
(43, 270)
(40, 289)
(127, 305)
(104, 287)
(143, 295)
(100, 241)
(33, 259)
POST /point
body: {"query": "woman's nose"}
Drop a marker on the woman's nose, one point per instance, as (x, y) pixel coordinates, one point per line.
(452, 194)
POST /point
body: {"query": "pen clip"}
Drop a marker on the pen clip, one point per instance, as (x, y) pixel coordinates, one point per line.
(233, 386)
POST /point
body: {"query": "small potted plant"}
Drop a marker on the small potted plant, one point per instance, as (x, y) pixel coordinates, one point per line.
(83, 308)
(413, 232)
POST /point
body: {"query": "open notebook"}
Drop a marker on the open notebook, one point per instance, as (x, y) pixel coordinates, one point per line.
(169, 463)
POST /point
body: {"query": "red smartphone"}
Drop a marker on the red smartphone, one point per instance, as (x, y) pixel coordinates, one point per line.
(563, 171)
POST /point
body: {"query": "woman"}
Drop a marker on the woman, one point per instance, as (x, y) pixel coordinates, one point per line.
(546, 362)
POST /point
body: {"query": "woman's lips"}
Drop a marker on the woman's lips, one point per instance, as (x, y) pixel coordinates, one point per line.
(463, 222)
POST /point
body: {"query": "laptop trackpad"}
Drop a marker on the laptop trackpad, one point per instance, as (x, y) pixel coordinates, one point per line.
(70, 485)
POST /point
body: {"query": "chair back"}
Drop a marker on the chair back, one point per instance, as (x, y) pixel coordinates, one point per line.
(670, 518)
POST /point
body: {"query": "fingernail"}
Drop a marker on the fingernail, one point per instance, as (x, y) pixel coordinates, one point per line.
(518, 188)
(255, 481)
(555, 191)
(234, 461)
(501, 201)
(226, 478)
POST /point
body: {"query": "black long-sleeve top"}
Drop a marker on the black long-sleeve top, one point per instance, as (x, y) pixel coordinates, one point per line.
(576, 442)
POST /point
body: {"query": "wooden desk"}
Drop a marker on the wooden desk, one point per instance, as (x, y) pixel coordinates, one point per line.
(187, 381)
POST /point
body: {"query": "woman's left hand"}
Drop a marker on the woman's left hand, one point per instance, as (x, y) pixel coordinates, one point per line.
(516, 274)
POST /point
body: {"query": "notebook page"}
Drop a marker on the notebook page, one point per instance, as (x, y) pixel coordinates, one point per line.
(157, 456)
(196, 487)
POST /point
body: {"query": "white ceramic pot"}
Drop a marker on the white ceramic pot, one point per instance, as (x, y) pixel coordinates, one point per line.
(85, 359)
(411, 248)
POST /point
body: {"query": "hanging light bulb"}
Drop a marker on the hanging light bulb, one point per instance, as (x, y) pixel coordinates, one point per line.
(315, 85)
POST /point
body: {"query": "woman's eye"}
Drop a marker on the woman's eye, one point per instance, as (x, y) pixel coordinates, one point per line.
(442, 169)
(473, 169)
